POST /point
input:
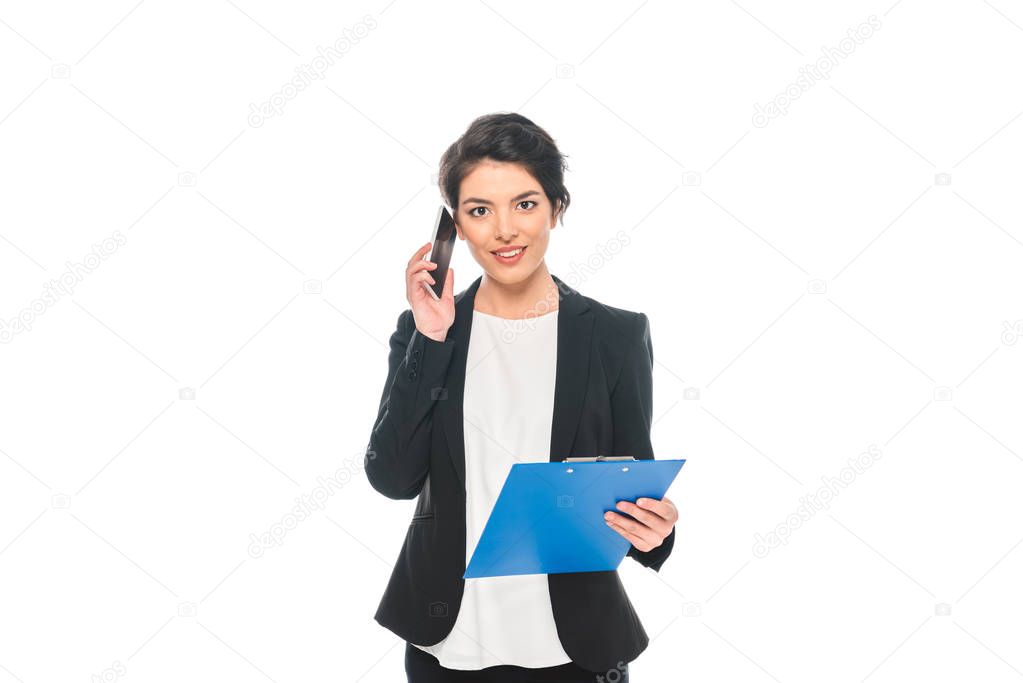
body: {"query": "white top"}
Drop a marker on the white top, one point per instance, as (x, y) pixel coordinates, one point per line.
(508, 408)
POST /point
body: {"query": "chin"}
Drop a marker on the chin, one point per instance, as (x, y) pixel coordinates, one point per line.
(509, 276)
(506, 278)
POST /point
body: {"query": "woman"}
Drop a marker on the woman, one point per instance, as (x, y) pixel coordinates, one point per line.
(519, 367)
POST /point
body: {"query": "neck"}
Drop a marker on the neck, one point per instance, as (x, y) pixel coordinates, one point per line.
(535, 296)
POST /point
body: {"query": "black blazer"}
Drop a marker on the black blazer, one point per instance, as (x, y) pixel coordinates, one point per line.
(603, 404)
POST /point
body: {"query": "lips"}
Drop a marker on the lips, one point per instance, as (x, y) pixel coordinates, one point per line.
(509, 260)
(504, 250)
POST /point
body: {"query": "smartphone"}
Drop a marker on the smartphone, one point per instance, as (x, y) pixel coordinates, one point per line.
(444, 235)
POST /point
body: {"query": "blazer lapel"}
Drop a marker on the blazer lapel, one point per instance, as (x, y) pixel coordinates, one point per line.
(575, 328)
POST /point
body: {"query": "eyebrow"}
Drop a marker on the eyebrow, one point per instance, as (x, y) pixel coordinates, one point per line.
(477, 200)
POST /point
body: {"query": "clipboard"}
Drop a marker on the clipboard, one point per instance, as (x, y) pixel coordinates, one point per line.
(549, 516)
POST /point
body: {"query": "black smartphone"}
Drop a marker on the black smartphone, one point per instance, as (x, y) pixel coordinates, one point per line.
(444, 235)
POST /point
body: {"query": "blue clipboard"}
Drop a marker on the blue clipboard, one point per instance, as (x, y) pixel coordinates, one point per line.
(549, 516)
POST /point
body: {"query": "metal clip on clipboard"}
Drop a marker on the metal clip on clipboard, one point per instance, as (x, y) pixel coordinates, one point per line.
(600, 458)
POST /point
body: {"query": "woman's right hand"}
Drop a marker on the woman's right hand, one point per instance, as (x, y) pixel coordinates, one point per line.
(433, 318)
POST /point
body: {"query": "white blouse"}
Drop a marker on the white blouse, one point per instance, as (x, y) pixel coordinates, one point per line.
(508, 408)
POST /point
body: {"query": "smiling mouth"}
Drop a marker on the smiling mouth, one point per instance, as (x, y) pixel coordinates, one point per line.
(508, 254)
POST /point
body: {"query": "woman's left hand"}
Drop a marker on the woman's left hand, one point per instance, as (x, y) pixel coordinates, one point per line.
(653, 521)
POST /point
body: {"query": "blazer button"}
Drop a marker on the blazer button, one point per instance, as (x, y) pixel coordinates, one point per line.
(415, 353)
(412, 374)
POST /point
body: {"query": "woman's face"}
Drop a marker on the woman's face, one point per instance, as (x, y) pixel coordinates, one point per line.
(502, 206)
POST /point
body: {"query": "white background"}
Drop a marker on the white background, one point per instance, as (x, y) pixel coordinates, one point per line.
(846, 277)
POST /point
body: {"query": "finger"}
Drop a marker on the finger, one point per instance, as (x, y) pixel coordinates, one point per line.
(419, 253)
(416, 263)
(674, 508)
(420, 265)
(641, 544)
(423, 276)
(648, 534)
(659, 507)
(646, 516)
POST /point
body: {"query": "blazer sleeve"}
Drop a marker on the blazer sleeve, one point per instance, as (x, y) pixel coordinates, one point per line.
(397, 459)
(632, 412)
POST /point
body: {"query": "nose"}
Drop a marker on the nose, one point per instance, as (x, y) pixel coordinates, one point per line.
(505, 227)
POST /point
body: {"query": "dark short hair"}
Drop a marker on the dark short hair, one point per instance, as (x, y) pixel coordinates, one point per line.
(506, 137)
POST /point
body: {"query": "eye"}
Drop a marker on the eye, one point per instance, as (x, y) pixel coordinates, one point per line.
(527, 201)
(476, 215)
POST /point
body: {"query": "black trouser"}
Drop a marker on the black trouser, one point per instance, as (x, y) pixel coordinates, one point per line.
(422, 667)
